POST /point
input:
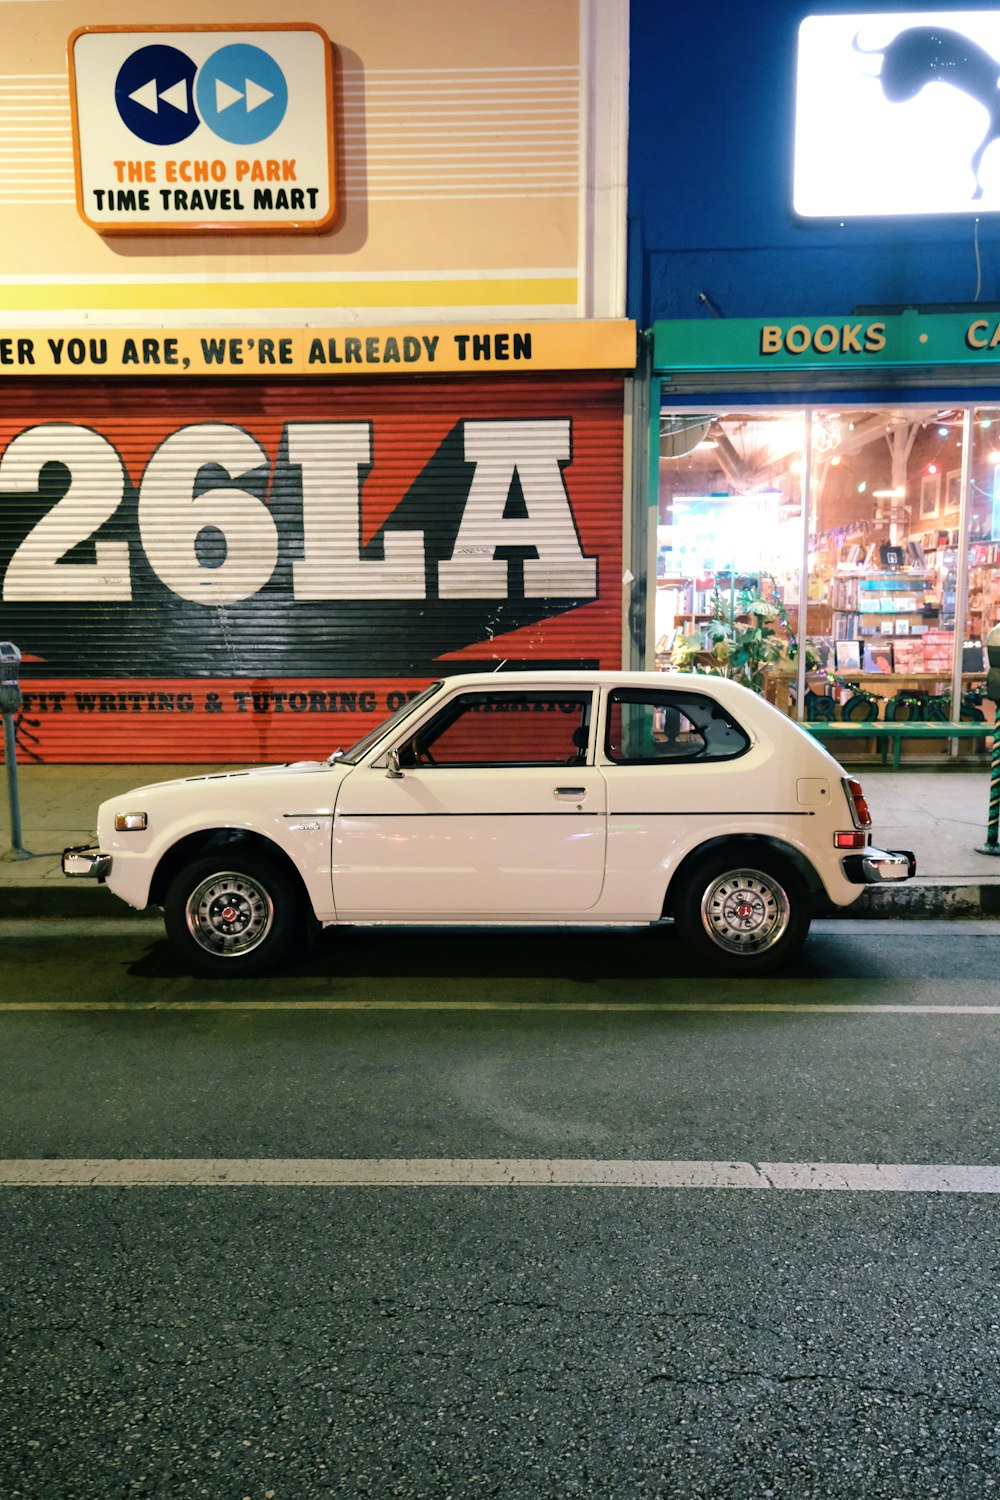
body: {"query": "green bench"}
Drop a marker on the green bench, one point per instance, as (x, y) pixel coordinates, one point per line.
(896, 730)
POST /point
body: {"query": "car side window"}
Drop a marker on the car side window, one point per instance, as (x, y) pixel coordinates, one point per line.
(504, 728)
(649, 727)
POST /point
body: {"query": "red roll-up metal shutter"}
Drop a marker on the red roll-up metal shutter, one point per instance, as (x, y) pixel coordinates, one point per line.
(217, 571)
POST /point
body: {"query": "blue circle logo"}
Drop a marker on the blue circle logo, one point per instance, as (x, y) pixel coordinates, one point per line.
(242, 94)
(154, 93)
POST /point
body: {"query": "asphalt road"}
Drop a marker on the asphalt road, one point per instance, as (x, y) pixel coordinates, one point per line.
(280, 1342)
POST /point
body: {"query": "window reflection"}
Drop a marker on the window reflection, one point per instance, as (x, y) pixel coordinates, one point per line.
(983, 581)
(893, 583)
(729, 538)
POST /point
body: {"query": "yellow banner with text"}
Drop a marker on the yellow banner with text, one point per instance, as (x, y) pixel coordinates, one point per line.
(602, 344)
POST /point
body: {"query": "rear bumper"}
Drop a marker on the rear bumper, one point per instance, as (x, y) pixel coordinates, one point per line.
(86, 863)
(880, 866)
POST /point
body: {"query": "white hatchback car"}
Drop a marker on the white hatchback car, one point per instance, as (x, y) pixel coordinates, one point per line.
(587, 798)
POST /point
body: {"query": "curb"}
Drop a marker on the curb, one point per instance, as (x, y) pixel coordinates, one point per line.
(88, 902)
(935, 899)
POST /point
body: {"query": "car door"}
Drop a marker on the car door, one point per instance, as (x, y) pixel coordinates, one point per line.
(495, 811)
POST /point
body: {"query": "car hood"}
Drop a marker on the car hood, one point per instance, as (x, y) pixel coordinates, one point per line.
(325, 777)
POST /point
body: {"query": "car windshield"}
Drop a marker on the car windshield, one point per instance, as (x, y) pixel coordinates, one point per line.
(354, 754)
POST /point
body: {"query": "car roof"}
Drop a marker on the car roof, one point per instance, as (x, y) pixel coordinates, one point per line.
(582, 678)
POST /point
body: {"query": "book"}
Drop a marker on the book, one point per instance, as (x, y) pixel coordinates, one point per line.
(908, 656)
(878, 656)
(847, 656)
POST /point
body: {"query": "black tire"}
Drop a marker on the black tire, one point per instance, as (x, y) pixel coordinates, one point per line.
(743, 911)
(231, 913)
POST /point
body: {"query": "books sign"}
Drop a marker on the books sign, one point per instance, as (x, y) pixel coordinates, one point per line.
(191, 131)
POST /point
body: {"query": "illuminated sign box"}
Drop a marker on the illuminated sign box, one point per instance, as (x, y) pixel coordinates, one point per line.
(205, 129)
(896, 113)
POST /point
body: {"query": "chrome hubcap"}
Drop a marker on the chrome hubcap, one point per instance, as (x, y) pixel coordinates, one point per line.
(745, 911)
(229, 914)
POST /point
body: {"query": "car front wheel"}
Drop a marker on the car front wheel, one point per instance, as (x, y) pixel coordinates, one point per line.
(230, 914)
(744, 912)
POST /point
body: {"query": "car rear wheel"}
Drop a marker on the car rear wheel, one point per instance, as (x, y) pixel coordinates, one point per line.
(744, 911)
(230, 914)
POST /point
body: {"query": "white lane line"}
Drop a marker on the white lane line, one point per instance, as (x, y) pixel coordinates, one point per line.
(376, 1172)
(750, 1007)
(880, 1177)
(864, 1177)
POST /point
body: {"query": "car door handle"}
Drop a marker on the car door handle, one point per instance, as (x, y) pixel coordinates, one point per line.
(570, 791)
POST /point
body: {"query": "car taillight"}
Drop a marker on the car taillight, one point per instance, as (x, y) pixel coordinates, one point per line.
(856, 801)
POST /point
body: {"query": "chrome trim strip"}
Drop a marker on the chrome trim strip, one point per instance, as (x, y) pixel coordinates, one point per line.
(343, 817)
(637, 812)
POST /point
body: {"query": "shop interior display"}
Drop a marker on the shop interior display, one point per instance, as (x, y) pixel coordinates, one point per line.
(879, 548)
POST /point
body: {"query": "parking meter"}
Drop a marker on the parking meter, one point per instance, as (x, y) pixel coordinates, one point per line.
(10, 702)
(10, 678)
(993, 655)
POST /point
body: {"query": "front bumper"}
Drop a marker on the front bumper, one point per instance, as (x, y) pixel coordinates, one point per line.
(86, 863)
(880, 866)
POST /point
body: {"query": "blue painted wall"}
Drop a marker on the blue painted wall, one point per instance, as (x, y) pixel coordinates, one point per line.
(710, 154)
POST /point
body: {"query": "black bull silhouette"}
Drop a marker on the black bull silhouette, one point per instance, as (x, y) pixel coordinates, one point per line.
(934, 54)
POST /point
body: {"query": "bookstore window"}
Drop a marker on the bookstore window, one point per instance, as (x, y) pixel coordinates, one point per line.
(982, 611)
(885, 629)
(729, 532)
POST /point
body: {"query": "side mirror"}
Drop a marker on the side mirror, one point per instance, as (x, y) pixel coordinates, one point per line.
(392, 769)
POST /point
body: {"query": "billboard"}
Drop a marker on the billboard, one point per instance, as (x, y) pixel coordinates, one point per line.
(896, 113)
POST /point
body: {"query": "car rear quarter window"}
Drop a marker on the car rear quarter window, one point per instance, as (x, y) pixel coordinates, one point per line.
(654, 726)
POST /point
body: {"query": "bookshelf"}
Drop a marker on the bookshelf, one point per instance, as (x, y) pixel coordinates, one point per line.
(881, 603)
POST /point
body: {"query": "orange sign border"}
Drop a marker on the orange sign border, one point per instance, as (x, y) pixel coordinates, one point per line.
(322, 226)
(345, 351)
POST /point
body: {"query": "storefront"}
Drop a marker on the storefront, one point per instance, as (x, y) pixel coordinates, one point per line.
(219, 547)
(314, 367)
(834, 482)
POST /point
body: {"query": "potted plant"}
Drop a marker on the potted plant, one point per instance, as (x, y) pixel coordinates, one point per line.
(747, 634)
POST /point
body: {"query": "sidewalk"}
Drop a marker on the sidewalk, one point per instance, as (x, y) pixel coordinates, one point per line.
(58, 809)
(940, 812)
